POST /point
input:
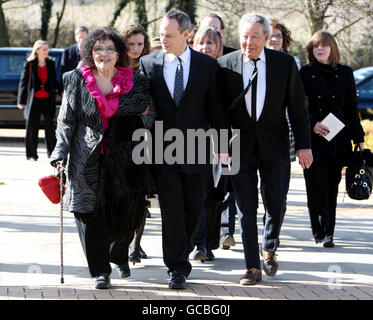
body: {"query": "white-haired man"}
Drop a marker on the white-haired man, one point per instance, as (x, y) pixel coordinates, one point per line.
(258, 84)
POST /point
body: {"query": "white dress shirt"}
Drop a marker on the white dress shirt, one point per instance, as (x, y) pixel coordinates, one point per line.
(247, 69)
(169, 69)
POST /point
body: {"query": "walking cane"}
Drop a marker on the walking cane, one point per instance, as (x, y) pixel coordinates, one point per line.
(61, 169)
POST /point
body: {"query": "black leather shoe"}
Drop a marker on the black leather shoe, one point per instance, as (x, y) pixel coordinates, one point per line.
(103, 281)
(199, 253)
(177, 281)
(134, 257)
(143, 254)
(124, 270)
(210, 255)
(328, 244)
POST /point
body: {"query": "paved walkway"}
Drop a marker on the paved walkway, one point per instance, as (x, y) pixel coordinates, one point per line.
(30, 254)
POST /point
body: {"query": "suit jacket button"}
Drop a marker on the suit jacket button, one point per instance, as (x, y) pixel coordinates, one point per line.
(319, 97)
(336, 75)
(313, 76)
(333, 97)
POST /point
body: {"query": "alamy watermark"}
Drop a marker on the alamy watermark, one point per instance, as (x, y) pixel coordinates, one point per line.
(194, 142)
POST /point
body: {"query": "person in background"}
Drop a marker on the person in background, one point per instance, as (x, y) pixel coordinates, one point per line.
(215, 21)
(228, 208)
(330, 88)
(192, 33)
(71, 55)
(102, 105)
(36, 96)
(155, 44)
(137, 44)
(209, 41)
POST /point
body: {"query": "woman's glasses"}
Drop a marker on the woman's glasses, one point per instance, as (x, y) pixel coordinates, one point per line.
(101, 50)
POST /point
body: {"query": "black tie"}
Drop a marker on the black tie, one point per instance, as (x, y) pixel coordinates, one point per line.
(253, 89)
(179, 83)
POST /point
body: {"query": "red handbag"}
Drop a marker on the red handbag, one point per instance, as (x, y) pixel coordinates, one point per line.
(50, 185)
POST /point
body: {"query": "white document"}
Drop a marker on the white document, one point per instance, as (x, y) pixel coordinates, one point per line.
(333, 124)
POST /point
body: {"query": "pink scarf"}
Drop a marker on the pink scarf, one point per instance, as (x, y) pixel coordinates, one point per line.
(108, 105)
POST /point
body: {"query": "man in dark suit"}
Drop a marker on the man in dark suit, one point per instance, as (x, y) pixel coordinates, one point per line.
(258, 110)
(183, 84)
(215, 21)
(70, 56)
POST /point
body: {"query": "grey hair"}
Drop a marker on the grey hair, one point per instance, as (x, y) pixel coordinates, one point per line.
(255, 17)
(181, 17)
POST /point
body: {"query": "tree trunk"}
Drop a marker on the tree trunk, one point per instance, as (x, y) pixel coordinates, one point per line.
(4, 39)
(57, 29)
(141, 16)
(46, 12)
(119, 7)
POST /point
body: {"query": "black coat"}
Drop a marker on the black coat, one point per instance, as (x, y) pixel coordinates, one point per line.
(332, 90)
(30, 83)
(200, 106)
(283, 89)
(70, 58)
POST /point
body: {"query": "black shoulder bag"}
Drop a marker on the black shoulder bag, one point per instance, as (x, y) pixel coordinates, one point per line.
(358, 177)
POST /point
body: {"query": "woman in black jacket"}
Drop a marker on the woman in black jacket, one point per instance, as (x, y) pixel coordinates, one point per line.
(36, 96)
(330, 88)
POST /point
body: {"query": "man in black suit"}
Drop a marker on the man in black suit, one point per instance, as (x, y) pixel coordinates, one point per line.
(183, 84)
(70, 56)
(258, 110)
(215, 21)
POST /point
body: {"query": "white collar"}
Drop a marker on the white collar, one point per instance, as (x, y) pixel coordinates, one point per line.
(184, 57)
(262, 57)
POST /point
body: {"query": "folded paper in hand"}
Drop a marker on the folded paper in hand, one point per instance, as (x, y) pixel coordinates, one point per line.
(333, 124)
(216, 171)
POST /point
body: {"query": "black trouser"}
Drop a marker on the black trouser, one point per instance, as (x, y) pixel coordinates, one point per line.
(228, 214)
(40, 106)
(276, 177)
(94, 235)
(322, 180)
(209, 231)
(181, 199)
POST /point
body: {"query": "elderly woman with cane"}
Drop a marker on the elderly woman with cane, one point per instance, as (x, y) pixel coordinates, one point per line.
(103, 104)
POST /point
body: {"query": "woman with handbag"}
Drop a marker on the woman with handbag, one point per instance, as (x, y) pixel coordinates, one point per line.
(36, 96)
(330, 88)
(103, 104)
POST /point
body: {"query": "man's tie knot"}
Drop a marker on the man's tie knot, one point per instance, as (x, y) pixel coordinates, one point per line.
(255, 61)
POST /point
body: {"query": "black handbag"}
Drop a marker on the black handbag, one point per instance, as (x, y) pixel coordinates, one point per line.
(358, 177)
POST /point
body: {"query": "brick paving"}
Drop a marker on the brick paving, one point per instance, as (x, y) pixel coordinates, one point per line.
(30, 265)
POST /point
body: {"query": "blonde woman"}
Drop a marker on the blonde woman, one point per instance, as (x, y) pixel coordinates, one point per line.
(209, 41)
(36, 96)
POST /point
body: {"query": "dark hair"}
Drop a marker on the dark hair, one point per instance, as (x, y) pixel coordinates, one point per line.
(105, 33)
(326, 39)
(130, 31)
(214, 15)
(181, 17)
(286, 34)
(80, 29)
(192, 34)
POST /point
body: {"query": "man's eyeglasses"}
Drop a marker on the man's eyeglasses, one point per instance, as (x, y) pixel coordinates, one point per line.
(276, 36)
(100, 50)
